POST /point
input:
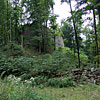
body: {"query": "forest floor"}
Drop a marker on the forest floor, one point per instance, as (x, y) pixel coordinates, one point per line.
(83, 92)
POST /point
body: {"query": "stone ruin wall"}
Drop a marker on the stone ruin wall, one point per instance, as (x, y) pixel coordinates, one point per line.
(83, 75)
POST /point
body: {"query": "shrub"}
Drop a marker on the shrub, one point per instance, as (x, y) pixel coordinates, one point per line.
(64, 50)
(45, 65)
(40, 80)
(84, 59)
(61, 82)
(11, 90)
(13, 49)
(73, 57)
(17, 66)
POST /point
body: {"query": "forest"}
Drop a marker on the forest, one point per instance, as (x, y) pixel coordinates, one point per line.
(41, 59)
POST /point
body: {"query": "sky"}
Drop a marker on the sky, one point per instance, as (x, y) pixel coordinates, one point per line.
(63, 10)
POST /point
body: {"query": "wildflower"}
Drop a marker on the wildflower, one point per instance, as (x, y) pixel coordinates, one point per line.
(28, 82)
(32, 79)
(14, 77)
(10, 76)
(18, 79)
(25, 80)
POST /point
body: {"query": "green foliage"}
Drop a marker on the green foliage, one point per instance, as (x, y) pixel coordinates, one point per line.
(12, 49)
(69, 53)
(84, 59)
(39, 80)
(68, 34)
(61, 82)
(45, 65)
(14, 90)
(10, 89)
(42, 81)
(16, 66)
(64, 50)
(41, 86)
(36, 34)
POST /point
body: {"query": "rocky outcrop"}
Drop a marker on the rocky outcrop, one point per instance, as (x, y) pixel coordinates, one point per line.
(59, 41)
(86, 75)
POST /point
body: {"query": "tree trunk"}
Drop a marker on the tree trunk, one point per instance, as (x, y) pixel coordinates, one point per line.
(98, 8)
(39, 47)
(39, 42)
(10, 37)
(43, 41)
(99, 13)
(6, 37)
(76, 37)
(22, 40)
(46, 34)
(54, 41)
(96, 38)
(54, 32)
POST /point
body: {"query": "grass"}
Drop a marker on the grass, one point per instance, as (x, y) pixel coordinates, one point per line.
(85, 92)
(16, 90)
